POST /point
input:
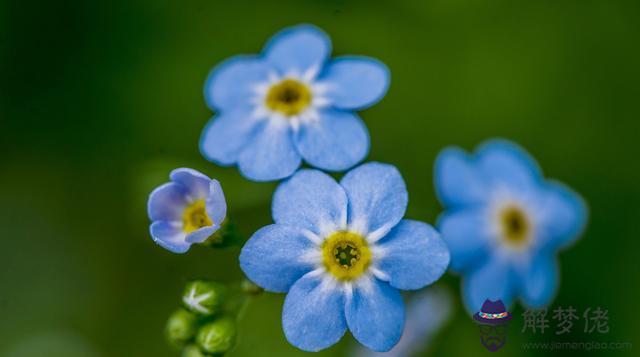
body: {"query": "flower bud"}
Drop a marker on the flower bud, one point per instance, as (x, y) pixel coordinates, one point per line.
(181, 327)
(218, 336)
(192, 351)
(204, 297)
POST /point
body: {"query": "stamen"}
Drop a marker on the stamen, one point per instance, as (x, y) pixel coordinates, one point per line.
(346, 255)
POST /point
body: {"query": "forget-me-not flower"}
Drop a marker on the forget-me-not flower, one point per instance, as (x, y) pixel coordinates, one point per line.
(504, 223)
(342, 252)
(187, 210)
(289, 103)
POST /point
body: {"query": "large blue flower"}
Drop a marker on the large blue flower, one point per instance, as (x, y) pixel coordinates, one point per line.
(504, 223)
(291, 103)
(187, 210)
(342, 252)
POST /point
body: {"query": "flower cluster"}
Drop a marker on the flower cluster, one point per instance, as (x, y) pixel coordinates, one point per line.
(202, 326)
(342, 250)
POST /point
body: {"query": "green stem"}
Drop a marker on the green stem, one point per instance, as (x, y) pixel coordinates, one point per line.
(240, 295)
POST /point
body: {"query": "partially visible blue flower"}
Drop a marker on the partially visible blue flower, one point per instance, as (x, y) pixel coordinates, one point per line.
(342, 252)
(289, 103)
(187, 210)
(504, 223)
(427, 312)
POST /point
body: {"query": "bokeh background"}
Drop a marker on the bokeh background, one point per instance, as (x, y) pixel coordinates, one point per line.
(99, 100)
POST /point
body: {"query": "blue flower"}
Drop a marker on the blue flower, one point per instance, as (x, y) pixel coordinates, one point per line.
(291, 103)
(187, 210)
(343, 252)
(504, 223)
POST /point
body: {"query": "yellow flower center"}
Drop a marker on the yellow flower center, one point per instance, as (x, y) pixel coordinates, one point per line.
(195, 216)
(346, 255)
(515, 226)
(289, 97)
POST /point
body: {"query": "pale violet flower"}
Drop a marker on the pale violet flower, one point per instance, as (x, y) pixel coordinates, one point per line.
(187, 210)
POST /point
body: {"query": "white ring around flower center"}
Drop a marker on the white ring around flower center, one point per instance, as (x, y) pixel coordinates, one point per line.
(309, 113)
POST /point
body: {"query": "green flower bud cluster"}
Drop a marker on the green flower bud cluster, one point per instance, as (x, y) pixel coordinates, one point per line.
(202, 326)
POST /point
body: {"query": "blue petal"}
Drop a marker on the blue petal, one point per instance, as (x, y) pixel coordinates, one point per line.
(311, 200)
(195, 184)
(170, 236)
(355, 82)
(563, 215)
(413, 255)
(337, 141)
(298, 48)
(167, 202)
(457, 182)
(492, 281)
(504, 163)
(216, 203)
(231, 84)
(539, 281)
(466, 234)
(271, 154)
(375, 315)
(226, 135)
(201, 234)
(313, 314)
(377, 196)
(273, 257)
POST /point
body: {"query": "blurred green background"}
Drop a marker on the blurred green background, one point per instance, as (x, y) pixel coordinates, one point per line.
(99, 100)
